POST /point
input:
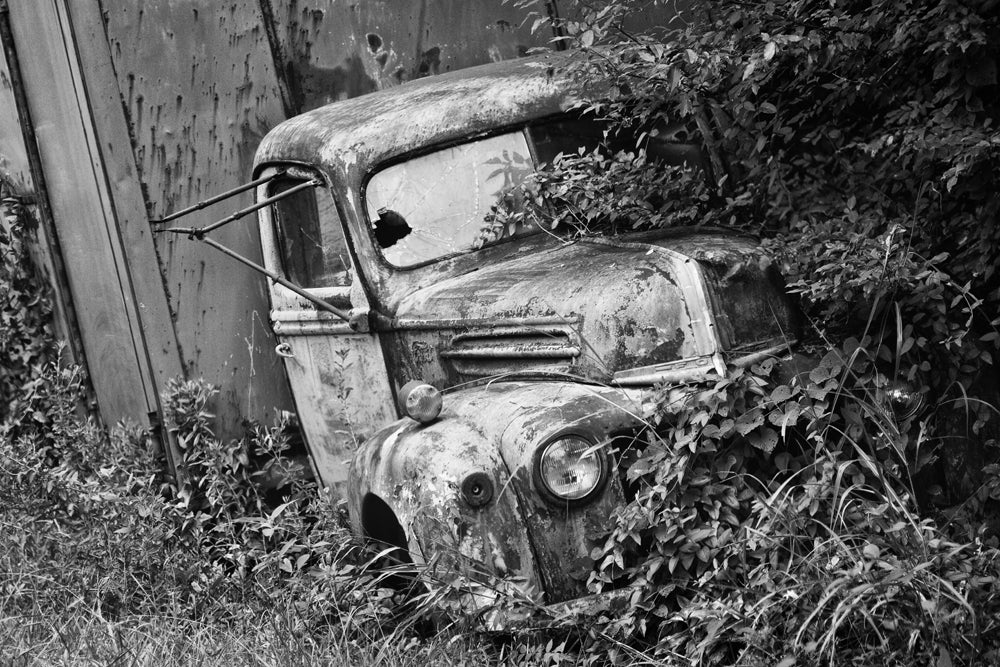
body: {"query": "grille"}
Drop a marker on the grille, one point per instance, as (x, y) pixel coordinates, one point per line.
(499, 350)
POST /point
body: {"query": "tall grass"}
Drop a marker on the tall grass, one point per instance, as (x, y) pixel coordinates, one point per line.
(102, 561)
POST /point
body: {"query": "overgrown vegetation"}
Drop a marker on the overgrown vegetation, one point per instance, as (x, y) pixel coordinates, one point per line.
(25, 338)
(777, 519)
(105, 561)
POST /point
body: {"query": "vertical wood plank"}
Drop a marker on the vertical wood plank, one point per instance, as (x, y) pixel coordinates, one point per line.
(134, 235)
(82, 212)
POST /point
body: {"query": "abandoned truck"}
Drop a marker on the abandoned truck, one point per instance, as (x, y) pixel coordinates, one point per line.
(466, 396)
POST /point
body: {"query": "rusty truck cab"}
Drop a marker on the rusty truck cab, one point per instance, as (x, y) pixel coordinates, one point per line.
(545, 351)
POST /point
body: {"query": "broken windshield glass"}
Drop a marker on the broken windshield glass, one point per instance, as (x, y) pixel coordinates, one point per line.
(445, 202)
(437, 204)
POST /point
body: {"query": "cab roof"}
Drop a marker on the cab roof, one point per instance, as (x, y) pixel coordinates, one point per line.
(358, 134)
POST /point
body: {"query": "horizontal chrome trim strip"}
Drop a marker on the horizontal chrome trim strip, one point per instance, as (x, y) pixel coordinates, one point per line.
(780, 351)
(512, 352)
(689, 374)
(515, 332)
(303, 316)
(314, 328)
(484, 323)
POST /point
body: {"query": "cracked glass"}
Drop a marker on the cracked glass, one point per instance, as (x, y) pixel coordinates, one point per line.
(437, 204)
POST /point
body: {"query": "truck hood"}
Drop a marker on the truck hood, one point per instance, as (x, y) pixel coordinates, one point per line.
(592, 307)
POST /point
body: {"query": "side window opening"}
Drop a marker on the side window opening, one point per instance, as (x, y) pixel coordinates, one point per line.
(310, 235)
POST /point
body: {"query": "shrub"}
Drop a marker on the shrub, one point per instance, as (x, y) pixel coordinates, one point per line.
(780, 519)
(98, 538)
(815, 552)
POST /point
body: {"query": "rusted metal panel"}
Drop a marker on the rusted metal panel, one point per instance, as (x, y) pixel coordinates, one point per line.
(85, 219)
(420, 471)
(200, 90)
(610, 290)
(493, 431)
(332, 50)
(358, 134)
(344, 396)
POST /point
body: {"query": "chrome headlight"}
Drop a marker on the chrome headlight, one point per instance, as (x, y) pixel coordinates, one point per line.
(906, 402)
(569, 468)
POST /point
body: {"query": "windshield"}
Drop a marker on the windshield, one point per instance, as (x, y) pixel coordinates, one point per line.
(437, 204)
(443, 203)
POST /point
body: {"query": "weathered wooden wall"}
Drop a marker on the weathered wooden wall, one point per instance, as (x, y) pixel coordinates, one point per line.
(328, 49)
(100, 243)
(199, 89)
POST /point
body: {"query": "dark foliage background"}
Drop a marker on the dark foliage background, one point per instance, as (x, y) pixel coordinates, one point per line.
(779, 520)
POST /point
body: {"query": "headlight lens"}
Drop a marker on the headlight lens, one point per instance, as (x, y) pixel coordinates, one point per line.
(906, 402)
(569, 470)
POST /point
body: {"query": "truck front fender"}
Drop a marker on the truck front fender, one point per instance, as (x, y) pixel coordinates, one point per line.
(441, 494)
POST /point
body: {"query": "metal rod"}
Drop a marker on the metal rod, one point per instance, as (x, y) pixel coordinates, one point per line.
(259, 205)
(217, 198)
(199, 232)
(342, 314)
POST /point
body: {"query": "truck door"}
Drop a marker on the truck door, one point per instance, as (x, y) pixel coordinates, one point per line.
(337, 372)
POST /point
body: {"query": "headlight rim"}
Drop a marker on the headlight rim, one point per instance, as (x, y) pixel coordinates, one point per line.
(542, 487)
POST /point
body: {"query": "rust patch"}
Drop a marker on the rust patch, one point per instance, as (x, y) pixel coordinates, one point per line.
(314, 86)
(430, 62)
